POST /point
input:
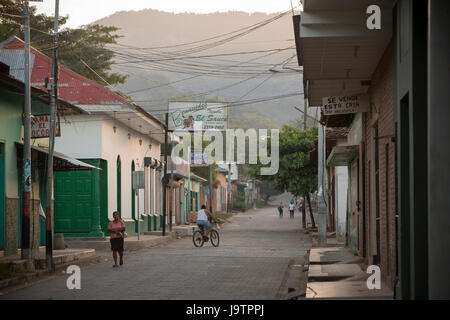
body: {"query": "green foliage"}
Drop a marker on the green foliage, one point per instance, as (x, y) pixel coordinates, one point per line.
(239, 200)
(204, 173)
(41, 25)
(268, 189)
(221, 217)
(87, 43)
(295, 174)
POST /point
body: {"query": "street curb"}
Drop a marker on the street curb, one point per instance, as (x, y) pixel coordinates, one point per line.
(31, 278)
(129, 245)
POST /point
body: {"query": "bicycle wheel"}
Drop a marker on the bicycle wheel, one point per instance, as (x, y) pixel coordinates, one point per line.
(214, 236)
(197, 238)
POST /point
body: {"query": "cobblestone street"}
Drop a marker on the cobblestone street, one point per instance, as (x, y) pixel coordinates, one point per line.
(250, 263)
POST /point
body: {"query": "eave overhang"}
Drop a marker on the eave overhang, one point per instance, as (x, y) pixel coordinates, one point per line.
(131, 116)
(342, 155)
(338, 52)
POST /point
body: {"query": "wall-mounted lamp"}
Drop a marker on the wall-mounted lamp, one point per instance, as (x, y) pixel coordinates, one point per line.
(150, 146)
(129, 136)
(140, 141)
(114, 129)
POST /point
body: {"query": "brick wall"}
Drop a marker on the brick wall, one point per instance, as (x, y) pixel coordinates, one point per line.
(381, 116)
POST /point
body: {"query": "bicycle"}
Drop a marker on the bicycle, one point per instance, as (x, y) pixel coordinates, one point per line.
(199, 237)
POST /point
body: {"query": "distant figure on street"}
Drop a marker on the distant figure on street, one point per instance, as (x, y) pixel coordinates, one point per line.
(117, 230)
(291, 209)
(300, 206)
(280, 209)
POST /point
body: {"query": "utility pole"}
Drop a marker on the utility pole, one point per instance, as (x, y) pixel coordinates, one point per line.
(210, 187)
(229, 197)
(53, 111)
(171, 187)
(165, 173)
(229, 189)
(138, 214)
(305, 112)
(321, 206)
(189, 188)
(26, 190)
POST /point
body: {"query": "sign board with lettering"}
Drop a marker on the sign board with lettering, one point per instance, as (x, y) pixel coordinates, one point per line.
(184, 115)
(40, 126)
(345, 104)
(199, 158)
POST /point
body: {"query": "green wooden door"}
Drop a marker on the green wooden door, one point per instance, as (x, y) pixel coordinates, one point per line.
(2, 197)
(73, 201)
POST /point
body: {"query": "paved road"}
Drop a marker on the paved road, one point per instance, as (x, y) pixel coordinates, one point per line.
(250, 263)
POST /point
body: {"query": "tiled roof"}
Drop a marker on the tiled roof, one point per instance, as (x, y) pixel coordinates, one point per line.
(72, 87)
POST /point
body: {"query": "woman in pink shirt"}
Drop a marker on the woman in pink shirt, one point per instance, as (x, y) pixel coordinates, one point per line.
(117, 230)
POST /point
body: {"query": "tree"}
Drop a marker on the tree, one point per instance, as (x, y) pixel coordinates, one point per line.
(268, 189)
(87, 43)
(296, 174)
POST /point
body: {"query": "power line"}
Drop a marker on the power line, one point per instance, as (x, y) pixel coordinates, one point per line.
(224, 105)
(207, 56)
(196, 76)
(259, 24)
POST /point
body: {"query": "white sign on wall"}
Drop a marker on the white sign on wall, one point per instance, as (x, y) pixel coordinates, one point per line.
(40, 126)
(183, 115)
(345, 104)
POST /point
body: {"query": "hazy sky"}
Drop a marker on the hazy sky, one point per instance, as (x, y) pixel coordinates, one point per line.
(85, 11)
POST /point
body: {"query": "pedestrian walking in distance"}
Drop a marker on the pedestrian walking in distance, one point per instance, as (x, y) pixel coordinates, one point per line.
(280, 209)
(291, 209)
(117, 230)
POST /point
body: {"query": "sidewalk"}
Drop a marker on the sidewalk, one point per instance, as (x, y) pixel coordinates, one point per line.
(130, 243)
(18, 269)
(336, 273)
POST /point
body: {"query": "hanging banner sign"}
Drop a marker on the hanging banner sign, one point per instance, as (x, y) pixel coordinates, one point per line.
(40, 126)
(345, 104)
(185, 115)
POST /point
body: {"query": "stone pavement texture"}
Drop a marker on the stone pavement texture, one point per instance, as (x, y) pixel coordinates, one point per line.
(258, 258)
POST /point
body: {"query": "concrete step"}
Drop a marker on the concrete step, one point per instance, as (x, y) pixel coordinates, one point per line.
(184, 230)
(325, 255)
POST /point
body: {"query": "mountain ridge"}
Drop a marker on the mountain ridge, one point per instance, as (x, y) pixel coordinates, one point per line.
(153, 83)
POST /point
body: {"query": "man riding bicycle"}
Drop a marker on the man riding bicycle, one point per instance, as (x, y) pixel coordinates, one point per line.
(203, 222)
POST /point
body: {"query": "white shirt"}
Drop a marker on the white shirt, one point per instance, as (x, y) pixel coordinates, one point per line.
(291, 206)
(202, 215)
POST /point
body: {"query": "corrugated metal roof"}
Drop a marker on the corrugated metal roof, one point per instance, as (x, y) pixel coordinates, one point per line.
(15, 59)
(65, 162)
(72, 86)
